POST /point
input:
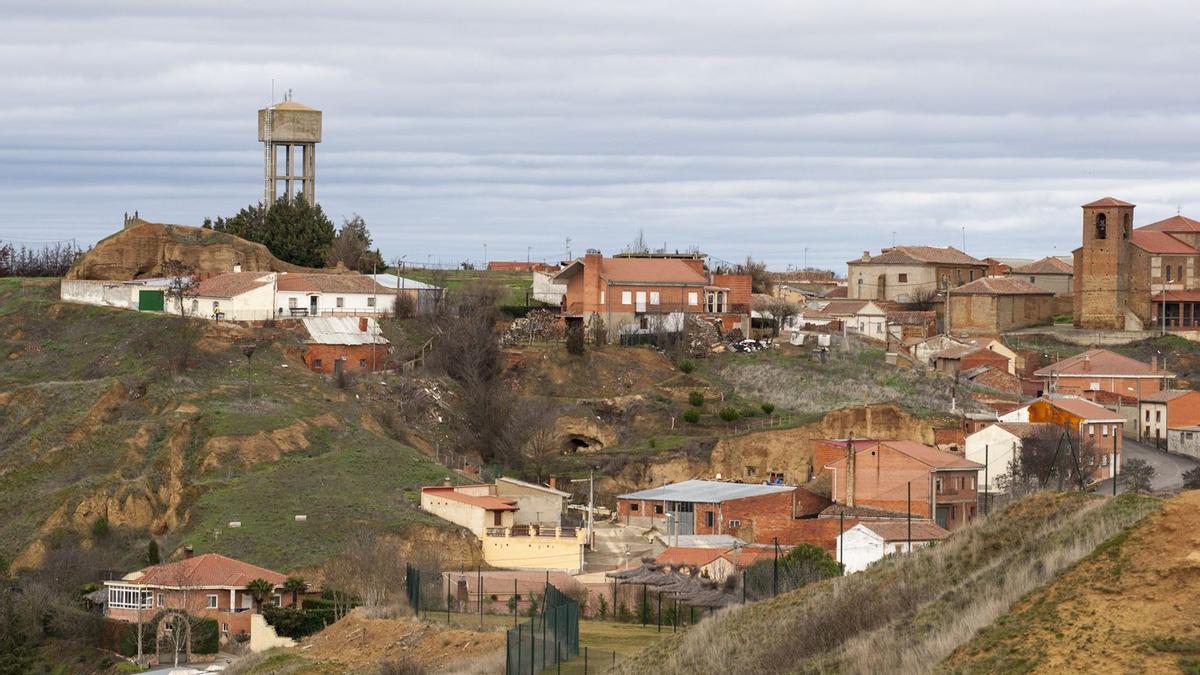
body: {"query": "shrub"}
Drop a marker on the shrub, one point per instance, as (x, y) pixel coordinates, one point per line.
(768, 408)
(652, 443)
(696, 399)
(575, 342)
(750, 412)
(100, 528)
(1191, 479)
(602, 608)
(403, 306)
(728, 414)
(691, 416)
(297, 623)
(1139, 475)
(687, 365)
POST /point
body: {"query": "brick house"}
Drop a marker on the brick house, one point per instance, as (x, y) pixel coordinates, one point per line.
(966, 357)
(1101, 370)
(943, 483)
(709, 507)
(905, 273)
(1162, 410)
(633, 295)
(995, 305)
(209, 585)
(344, 344)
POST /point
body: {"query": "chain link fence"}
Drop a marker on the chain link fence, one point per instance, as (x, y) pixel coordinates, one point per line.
(547, 639)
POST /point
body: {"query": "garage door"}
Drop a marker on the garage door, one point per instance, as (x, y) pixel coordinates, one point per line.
(150, 301)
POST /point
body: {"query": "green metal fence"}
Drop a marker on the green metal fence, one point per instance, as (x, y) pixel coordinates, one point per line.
(546, 639)
(412, 587)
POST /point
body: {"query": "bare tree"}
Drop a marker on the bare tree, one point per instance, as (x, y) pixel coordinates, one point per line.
(541, 447)
(922, 299)
(760, 278)
(780, 310)
(1051, 457)
(1139, 475)
(181, 283)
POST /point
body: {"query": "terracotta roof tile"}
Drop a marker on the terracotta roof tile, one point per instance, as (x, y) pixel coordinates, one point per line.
(1176, 223)
(922, 530)
(1025, 429)
(1085, 410)
(331, 283)
(487, 502)
(679, 555)
(232, 284)
(1101, 363)
(934, 458)
(650, 270)
(1166, 395)
(209, 569)
(1107, 201)
(1047, 265)
(1160, 242)
(946, 255)
(1000, 286)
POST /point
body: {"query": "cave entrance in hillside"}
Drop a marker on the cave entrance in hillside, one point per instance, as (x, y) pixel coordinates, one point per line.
(576, 443)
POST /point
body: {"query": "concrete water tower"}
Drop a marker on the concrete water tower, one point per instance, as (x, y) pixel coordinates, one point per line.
(296, 128)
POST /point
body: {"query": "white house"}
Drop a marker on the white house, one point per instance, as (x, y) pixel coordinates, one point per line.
(475, 507)
(998, 444)
(859, 316)
(868, 542)
(233, 296)
(304, 294)
(536, 504)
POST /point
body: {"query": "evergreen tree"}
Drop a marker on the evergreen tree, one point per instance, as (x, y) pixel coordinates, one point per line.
(292, 229)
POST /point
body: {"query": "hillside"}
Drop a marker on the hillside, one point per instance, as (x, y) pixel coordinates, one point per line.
(97, 426)
(1128, 607)
(904, 614)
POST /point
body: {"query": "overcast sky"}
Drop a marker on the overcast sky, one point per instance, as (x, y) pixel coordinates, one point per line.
(763, 128)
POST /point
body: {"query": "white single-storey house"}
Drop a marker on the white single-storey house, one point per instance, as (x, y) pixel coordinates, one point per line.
(536, 504)
(868, 542)
(306, 294)
(859, 316)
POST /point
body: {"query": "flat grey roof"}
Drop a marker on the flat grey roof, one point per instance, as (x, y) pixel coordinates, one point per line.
(706, 491)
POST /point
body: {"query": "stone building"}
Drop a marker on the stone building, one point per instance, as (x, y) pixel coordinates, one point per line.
(993, 305)
(908, 273)
(1050, 273)
(1136, 279)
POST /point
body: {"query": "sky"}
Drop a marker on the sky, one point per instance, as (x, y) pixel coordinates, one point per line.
(794, 132)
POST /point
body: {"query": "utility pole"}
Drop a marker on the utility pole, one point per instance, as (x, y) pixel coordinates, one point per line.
(909, 517)
(985, 480)
(1114, 465)
(591, 481)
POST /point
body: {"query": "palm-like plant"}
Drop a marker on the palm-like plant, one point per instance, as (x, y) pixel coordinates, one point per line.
(260, 590)
(296, 585)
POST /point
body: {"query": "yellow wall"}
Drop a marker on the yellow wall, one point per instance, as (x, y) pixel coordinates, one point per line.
(536, 553)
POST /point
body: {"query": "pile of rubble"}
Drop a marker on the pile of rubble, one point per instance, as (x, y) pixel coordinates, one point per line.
(703, 338)
(539, 325)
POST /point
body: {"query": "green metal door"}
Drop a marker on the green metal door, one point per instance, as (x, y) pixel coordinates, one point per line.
(150, 301)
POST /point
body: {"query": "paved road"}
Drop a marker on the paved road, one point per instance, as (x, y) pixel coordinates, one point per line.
(1169, 467)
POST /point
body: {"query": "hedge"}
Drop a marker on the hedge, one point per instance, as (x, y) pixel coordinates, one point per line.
(206, 636)
(298, 623)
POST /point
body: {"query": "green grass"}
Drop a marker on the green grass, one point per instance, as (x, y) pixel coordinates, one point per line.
(517, 284)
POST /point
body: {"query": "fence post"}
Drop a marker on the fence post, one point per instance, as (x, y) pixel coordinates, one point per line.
(585, 660)
(660, 611)
(520, 646)
(516, 602)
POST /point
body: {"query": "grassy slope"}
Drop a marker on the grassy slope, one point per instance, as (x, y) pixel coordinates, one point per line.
(517, 284)
(904, 614)
(65, 357)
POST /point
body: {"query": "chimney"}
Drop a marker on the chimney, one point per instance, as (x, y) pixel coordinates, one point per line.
(851, 461)
(362, 324)
(1154, 363)
(188, 552)
(592, 262)
(866, 256)
(237, 267)
(446, 481)
(1087, 363)
(553, 482)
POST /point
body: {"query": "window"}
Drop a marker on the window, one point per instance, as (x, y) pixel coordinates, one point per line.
(1147, 415)
(371, 301)
(362, 363)
(1157, 415)
(693, 298)
(658, 508)
(1104, 459)
(635, 507)
(316, 363)
(902, 278)
(128, 597)
(225, 628)
(1125, 226)
(626, 298)
(602, 297)
(1091, 430)
(735, 523)
(1169, 274)
(938, 484)
(1101, 226)
(654, 297)
(970, 275)
(1033, 280)
(291, 303)
(897, 548)
(278, 600)
(709, 519)
(341, 302)
(1104, 430)
(750, 470)
(160, 599)
(211, 601)
(1187, 435)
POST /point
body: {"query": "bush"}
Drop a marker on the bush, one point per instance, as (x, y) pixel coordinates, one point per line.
(696, 399)
(768, 408)
(1191, 479)
(575, 344)
(206, 636)
(728, 414)
(403, 306)
(100, 528)
(687, 365)
(750, 412)
(691, 416)
(298, 623)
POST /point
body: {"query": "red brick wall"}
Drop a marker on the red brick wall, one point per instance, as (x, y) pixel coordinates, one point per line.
(352, 354)
(739, 286)
(881, 481)
(764, 512)
(1126, 386)
(1184, 411)
(984, 357)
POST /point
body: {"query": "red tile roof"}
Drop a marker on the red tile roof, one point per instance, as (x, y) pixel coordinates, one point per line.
(1166, 395)
(1177, 296)
(488, 502)
(232, 284)
(331, 283)
(1024, 429)
(1160, 242)
(1107, 201)
(1176, 223)
(936, 459)
(945, 255)
(1047, 265)
(208, 569)
(1000, 286)
(922, 530)
(1100, 363)
(650, 270)
(682, 555)
(836, 292)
